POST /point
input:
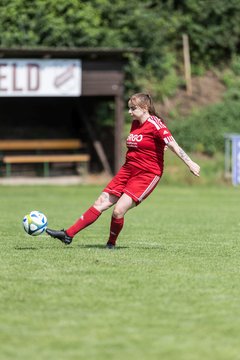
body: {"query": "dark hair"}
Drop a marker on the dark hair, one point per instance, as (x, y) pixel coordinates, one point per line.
(144, 100)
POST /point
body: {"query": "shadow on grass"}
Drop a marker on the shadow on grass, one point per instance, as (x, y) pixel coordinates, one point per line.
(151, 247)
(83, 246)
(97, 246)
(25, 248)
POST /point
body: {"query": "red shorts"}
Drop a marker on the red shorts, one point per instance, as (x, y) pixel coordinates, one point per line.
(134, 182)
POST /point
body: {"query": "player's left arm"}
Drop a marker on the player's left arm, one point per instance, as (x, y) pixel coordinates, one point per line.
(193, 167)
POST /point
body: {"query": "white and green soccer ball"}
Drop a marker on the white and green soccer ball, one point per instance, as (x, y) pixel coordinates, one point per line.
(35, 223)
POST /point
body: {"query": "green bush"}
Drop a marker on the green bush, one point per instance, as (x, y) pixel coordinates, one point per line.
(204, 130)
(212, 170)
(155, 26)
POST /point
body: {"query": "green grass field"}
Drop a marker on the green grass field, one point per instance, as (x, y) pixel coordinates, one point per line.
(170, 291)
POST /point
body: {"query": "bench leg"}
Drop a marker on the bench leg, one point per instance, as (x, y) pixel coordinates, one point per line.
(8, 170)
(46, 169)
(82, 169)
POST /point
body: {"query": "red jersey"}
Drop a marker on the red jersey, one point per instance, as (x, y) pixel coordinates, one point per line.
(146, 143)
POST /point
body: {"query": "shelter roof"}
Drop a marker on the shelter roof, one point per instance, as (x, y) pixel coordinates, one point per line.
(65, 52)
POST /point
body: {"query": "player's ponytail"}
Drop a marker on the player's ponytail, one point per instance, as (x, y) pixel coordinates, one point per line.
(151, 108)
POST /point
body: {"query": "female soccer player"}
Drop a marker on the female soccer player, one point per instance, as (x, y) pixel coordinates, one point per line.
(139, 175)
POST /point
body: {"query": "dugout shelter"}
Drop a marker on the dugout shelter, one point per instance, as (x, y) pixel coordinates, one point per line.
(39, 103)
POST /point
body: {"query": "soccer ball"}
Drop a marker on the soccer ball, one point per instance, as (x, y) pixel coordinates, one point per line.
(35, 223)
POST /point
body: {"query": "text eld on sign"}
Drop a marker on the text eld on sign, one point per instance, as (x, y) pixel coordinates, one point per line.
(33, 77)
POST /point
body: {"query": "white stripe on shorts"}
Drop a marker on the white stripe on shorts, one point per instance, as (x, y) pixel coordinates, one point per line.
(149, 188)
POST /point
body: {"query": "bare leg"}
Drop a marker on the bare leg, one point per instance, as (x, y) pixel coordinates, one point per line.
(123, 204)
(105, 201)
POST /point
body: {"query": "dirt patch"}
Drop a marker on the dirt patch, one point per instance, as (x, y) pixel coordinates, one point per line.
(90, 179)
(206, 90)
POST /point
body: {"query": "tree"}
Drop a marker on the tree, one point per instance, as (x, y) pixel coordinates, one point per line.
(155, 26)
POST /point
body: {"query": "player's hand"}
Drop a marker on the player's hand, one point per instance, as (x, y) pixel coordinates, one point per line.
(194, 168)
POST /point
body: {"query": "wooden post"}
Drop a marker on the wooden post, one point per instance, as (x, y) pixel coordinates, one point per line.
(187, 64)
(96, 143)
(119, 122)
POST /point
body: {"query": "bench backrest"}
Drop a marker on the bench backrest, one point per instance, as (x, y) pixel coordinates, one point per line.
(46, 144)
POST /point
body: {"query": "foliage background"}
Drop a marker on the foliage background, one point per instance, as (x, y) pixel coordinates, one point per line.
(155, 26)
(213, 28)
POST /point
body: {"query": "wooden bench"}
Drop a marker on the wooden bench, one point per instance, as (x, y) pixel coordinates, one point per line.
(9, 148)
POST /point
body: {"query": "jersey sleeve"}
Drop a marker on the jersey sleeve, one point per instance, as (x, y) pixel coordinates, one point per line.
(165, 135)
(161, 131)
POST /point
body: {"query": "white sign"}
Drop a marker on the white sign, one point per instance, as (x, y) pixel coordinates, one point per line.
(236, 160)
(34, 77)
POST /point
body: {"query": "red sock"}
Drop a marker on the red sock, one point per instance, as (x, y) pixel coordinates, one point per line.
(115, 228)
(86, 219)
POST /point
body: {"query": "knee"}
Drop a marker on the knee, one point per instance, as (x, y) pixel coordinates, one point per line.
(102, 203)
(98, 202)
(118, 212)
